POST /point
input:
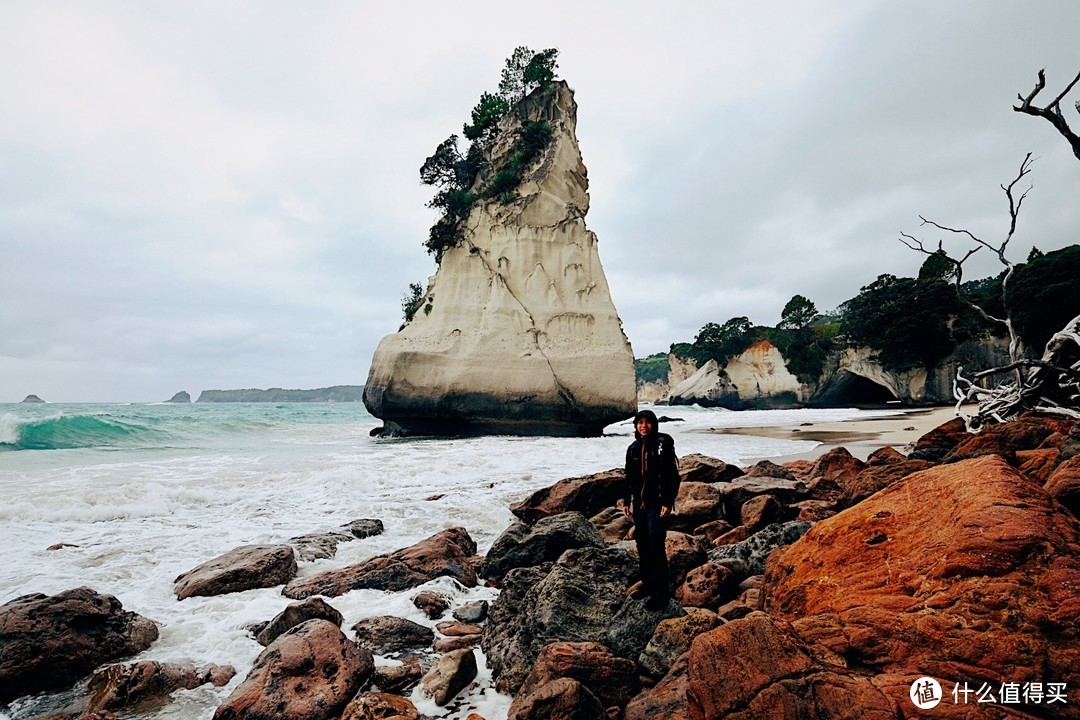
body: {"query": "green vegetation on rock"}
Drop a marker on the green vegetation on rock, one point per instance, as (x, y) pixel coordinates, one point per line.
(653, 368)
(464, 178)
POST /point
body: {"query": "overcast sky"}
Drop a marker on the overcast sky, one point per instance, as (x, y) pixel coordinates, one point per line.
(221, 195)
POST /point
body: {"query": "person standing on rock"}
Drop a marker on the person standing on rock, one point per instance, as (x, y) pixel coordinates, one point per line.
(652, 482)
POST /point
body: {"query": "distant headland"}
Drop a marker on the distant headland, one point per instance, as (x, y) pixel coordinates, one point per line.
(337, 393)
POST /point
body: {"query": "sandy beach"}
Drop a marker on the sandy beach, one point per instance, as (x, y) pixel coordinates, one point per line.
(860, 437)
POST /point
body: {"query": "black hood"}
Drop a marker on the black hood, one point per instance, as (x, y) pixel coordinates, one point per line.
(652, 418)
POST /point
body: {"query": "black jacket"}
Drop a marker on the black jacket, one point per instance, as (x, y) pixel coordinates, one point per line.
(652, 472)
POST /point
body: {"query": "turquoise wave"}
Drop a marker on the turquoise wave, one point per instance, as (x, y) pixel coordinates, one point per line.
(71, 432)
(125, 427)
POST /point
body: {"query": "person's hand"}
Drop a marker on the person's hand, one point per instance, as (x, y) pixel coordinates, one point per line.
(664, 511)
(627, 511)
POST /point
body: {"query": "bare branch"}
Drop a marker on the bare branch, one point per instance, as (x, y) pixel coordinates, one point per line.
(1052, 112)
(956, 231)
(1014, 205)
(1028, 364)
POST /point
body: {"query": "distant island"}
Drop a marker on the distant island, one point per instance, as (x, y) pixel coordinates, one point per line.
(337, 393)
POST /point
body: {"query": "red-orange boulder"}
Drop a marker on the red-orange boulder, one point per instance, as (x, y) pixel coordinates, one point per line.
(613, 680)
(966, 571)
(708, 586)
(837, 466)
(588, 495)
(885, 456)
(877, 477)
(1038, 464)
(758, 667)
(1064, 484)
(937, 443)
(1006, 439)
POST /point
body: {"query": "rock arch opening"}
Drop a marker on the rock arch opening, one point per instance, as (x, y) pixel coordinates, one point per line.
(847, 389)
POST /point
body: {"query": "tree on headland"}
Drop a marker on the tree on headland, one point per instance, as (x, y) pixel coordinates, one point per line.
(411, 301)
(464, 178)
(1050, 384)
(797, 314)
(722, 342)
(525, 71)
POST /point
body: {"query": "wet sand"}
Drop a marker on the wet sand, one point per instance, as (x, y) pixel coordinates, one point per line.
(861, 437)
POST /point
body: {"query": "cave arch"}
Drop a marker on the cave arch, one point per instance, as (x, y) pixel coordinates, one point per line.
(848, 389)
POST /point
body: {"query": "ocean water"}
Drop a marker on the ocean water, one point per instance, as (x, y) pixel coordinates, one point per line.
(139, 494)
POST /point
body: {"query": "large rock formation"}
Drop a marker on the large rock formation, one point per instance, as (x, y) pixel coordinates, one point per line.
(759, 378)
(49, 641)
(518, 334)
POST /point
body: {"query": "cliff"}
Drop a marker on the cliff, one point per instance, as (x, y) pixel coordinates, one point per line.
(519, 334)
(759, 378)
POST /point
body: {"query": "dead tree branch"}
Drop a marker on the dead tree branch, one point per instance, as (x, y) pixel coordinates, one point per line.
(1052, 111)
(1049, 385)
(1015, 203)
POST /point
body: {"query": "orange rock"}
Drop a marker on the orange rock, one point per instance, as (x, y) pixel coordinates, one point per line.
(965, 572)
(312, 671)
(815, 510)
(734, 536)
(1006, 439)
(1054, 440)
(876, 477)
(1064, 484)
(757, 512)
(664, 701)
(757, 667)
(1038, 464)
(838, 466)
(711, 531)
(613, 680)
(696, 467)
(801, 469)
(937, 443)
(708, 586)
(885, 456)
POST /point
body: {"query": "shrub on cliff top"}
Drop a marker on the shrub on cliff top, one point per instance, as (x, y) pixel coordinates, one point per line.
(459, 177)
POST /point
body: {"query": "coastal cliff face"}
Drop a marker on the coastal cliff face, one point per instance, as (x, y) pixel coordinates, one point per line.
(518, 333)
(759, 378)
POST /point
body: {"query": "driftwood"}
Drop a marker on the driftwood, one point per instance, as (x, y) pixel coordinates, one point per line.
(1050, 384)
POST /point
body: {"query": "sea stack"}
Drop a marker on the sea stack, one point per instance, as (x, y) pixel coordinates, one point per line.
(517, 333)
(33, 399)
(180, 397)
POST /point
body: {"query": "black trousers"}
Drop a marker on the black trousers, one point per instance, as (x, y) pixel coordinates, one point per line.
(650, 534)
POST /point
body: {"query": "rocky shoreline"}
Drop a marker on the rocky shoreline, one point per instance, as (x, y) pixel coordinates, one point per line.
(815, 588)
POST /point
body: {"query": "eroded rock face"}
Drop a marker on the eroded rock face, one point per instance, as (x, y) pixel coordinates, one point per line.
(522, 336)
(312, 671)
(49, 642)
(769, 672)
(575, 600)
(958, 571)
(242, 568)
(449, 552)
(522, 545)
(147, 684)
